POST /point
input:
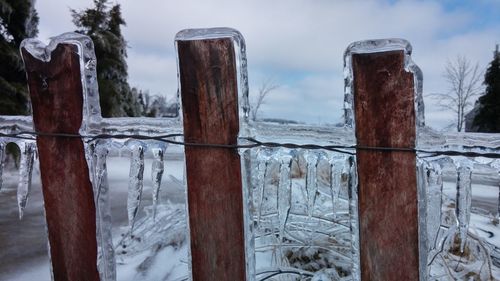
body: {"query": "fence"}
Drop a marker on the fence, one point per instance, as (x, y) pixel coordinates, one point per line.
(361, 202)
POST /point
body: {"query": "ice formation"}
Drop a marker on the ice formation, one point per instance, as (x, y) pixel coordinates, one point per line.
(464, 198)
(25, 173)
(135, 183)
(156, 175)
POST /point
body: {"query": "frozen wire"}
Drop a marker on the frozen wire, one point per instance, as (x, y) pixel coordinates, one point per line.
(253, 143)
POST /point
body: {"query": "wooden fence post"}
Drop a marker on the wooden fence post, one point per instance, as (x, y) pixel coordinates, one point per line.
(384, 108)
(207, 70)
(57, 99)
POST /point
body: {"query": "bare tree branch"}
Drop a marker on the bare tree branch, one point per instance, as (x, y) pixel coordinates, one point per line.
(464, 81)
(267, 86)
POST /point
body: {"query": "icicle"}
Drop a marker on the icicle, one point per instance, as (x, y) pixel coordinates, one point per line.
(464, 198)
(336, 167)
(105, 250)
(2, 154)
(135, 183)
(156, 175)
(434, 202)
(423, 169)
(263, 159)
(350, 169)
(25, 171)
(311, 181)
(284, 192)
(496, 165)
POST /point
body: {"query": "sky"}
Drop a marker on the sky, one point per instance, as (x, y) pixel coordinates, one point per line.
(299, 44)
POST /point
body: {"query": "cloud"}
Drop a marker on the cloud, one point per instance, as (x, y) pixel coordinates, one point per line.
(300, 42)
(153, 72)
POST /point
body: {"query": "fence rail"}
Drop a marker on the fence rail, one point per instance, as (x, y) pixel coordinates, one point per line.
(246, 205)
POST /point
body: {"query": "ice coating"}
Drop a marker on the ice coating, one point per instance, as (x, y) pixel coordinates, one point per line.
(284, 193)
(263, 158)
(336, 170)
(2, 155)
(434, 202)
(85, 46)
(25, 172)
(135, 183)
(241, 62)
(464, 198)
(423, 233)
(157, 174)
(248, 180)
(445, 141)
(495, 164)
(311, 181)
(350, 165)
(105, 249)
(376, 46)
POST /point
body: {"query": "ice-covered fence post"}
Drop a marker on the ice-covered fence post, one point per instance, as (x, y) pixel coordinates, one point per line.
(208, 81)
(56, 90)
(383, 97)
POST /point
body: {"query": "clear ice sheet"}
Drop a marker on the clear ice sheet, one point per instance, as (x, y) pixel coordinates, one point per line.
(458, 246)
(299, 214)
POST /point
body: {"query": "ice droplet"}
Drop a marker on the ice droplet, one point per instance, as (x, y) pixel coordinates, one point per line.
(25, 172)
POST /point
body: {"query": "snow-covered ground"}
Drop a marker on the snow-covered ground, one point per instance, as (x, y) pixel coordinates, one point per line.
(158, 250)
(23, 243)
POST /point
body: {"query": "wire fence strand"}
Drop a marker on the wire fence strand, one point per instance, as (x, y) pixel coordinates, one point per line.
(248, 142)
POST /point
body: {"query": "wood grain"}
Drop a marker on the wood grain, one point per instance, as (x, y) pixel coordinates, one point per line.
(388, 211)
(210, 111)
(56, 96)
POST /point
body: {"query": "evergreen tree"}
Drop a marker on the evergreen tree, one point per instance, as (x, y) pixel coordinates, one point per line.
(103, 24)
(488, 118)
(18, 20)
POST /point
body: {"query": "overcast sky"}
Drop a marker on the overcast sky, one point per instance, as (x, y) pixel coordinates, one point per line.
(299, 43)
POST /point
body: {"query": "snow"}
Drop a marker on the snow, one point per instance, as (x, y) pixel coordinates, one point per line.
(303, 214)
(169, 260)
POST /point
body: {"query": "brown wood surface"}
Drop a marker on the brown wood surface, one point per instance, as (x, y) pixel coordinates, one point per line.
(388, 213)
(56, 96)
(210, 111)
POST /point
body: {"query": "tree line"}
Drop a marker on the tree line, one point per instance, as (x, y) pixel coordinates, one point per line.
(102, 23)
